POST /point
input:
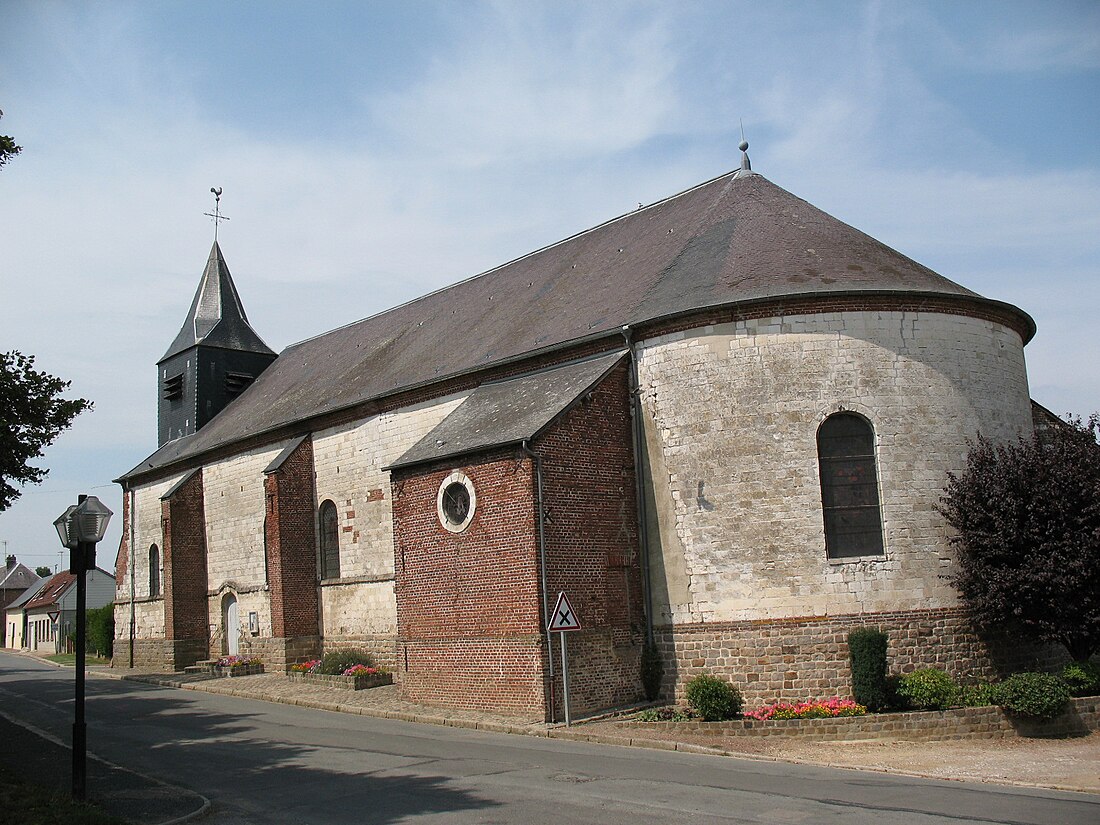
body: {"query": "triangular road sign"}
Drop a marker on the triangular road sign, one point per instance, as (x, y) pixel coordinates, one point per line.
(563, 618)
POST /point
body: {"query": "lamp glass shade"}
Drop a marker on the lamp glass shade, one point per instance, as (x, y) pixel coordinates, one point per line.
(66, 528)
(90, 518)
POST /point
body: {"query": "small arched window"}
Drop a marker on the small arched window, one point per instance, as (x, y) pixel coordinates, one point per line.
(849, 486)
(330, 541)
(154, 571)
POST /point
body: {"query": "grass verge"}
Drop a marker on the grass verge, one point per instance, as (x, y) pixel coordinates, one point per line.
(70, 659)
(30, 804)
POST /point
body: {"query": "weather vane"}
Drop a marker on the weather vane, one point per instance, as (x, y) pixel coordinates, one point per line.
(216, 214)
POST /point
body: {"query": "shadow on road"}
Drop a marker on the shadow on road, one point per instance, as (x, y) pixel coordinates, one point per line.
(161, 732)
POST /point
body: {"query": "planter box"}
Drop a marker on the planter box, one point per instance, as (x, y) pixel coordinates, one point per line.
(238, 670)
(362, 682)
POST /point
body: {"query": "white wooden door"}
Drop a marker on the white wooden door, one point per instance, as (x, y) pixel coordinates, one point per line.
(232, 627)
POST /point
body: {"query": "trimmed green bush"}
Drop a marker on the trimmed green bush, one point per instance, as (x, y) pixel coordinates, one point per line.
(1082, 678)
(1036, 695)
(666, 714)
(336, 662)
(653, 670)
(977, 695)
(867, 653)
(713, 698)
(928, 688)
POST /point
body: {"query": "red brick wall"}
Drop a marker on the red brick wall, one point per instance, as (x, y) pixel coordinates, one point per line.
(468, 606)
(291, 545)
(592, 545)
(122, 559)
(184, 555)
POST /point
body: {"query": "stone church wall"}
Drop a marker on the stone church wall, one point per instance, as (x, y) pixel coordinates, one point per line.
(233, 490)
(736, 526)
(149, 635)
(358, 610)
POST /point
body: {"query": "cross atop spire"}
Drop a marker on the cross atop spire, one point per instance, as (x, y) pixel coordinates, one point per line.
(216, 215)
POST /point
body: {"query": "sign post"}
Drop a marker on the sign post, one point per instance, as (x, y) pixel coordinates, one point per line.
(562, 621)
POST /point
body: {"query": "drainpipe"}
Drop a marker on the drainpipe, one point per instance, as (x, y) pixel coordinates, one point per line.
(639, 483)
(537, 459)
(133, 560)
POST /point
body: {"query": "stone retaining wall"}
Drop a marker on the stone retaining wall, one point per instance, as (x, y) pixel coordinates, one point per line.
(990, 722)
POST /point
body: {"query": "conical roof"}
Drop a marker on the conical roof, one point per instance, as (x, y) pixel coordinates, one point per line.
(734, 241)
(216, 317)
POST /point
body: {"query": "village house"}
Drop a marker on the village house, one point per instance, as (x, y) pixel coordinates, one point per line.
(720, 423)
(15, 578)
(49, 615)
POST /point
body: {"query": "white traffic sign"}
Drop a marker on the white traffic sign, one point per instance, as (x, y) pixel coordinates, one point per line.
(53, 616)
(563, 618)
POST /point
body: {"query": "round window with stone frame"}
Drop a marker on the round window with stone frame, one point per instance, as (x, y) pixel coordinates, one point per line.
(455, 502)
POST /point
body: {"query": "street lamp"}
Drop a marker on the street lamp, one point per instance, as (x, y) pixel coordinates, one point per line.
(81, 528)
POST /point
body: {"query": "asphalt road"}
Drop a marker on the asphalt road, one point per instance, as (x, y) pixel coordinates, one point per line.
(265, 763)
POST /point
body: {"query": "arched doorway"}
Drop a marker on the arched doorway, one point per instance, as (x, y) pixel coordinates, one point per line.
(231, 625)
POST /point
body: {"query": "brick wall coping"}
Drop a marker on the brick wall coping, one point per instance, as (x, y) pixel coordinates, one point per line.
(342, 582)
(846, 618)
(989, 722)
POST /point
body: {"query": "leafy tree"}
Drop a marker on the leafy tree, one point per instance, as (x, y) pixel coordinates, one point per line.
(8, 148)
(1027, 521)
(32, 415)
(100, 632)
(44, 571)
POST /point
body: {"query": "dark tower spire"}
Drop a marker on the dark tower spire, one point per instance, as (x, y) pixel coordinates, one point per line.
(212, 360)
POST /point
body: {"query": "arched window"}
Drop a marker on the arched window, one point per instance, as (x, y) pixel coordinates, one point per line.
(849, 486)
(154, 571)
(330, 541)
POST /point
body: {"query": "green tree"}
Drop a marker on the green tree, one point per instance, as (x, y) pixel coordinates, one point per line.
(1027, 522)
(33, 416)
(8, 148)
(43, 571)
(100, 632)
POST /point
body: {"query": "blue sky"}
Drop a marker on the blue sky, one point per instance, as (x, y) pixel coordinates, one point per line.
(371, 152)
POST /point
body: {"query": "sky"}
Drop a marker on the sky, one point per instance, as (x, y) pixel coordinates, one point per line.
(370, 152)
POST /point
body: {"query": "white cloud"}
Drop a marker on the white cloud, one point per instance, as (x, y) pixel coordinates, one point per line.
(524, 87)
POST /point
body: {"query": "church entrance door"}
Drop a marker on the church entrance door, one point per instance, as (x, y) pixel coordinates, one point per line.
(232, 625)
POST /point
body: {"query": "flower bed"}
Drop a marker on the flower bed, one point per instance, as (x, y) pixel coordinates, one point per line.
(359, 677)
(1081, 716)
(821, 709)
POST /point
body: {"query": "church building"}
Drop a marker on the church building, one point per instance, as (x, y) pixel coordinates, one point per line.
(720, 423)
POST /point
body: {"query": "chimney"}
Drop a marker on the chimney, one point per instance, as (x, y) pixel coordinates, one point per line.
(10, 561)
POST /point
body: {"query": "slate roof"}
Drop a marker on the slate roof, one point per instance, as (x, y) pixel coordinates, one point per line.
(25, 597)
(510, 411)
(216, 317)
(736, 239)
(18, 577)
(51, 591)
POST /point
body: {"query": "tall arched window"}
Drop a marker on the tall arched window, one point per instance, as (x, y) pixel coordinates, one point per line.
(154, 571)
(849, 486)
(330, 541)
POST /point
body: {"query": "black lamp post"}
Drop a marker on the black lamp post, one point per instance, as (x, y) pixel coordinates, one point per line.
(80, 528)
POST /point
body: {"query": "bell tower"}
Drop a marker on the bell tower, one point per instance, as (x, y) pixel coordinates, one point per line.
(213, 359)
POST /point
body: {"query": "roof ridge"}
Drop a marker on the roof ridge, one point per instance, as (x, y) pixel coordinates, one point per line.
(519, 258)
